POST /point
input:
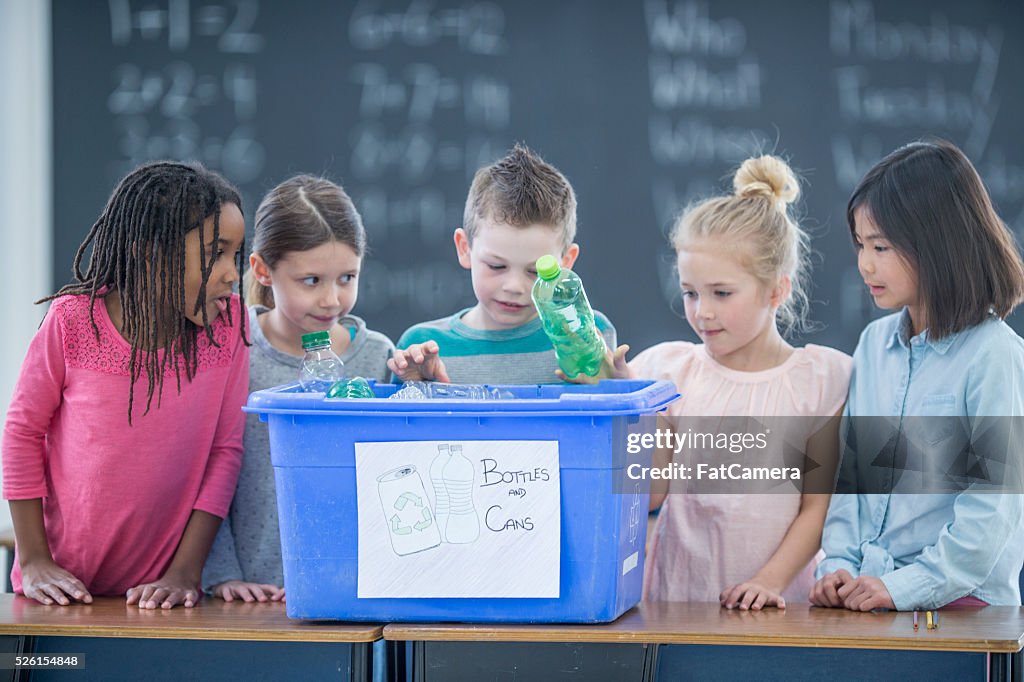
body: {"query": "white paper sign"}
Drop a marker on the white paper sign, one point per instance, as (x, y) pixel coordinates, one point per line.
(458, 519)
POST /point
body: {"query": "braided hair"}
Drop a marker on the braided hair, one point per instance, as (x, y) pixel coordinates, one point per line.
(138, 249)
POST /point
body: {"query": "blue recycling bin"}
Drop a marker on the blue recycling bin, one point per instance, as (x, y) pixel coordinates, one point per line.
(602, 530)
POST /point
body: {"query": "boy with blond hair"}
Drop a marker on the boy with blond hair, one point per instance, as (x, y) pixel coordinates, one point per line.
(519, 209)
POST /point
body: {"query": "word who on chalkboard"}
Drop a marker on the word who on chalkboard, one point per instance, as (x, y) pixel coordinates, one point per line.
(696, 103)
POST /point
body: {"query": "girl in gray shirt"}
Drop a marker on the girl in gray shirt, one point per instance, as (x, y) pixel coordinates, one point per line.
(303, 277)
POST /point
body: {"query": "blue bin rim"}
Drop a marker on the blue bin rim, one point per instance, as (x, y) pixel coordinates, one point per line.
(607, 398)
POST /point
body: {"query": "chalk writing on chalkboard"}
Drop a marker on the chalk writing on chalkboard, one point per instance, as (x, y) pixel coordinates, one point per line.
(422, 130)
(645, 106)
(702, 74)
(154, 111)
(951, 88)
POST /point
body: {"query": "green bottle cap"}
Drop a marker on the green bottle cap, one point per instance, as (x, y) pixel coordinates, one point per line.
(315, 339)
(548, 268)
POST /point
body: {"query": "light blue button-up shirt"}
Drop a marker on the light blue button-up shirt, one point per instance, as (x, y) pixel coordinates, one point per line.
(931, 549)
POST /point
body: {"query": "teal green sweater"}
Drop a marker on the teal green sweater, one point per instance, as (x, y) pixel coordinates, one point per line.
(522, 355)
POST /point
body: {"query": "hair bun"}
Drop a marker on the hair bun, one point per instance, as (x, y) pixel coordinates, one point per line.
(766, 176)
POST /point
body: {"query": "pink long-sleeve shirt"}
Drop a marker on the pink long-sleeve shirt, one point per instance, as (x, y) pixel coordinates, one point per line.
(116, 498)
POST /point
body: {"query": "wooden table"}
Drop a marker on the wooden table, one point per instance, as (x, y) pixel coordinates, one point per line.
(629, 647)
(125, 642)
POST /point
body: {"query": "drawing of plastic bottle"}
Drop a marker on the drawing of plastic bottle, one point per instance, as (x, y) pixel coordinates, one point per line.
(407, 511)
(463, 525)
(441, 503)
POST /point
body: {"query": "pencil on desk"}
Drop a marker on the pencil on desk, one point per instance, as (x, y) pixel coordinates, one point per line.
(936, 620)
(915, 620)
(929, 623)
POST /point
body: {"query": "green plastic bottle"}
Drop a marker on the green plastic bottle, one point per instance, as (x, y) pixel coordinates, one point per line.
(568, 318)
(356, 387)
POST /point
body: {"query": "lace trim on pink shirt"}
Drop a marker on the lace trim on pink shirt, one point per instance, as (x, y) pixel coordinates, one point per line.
(112, 353)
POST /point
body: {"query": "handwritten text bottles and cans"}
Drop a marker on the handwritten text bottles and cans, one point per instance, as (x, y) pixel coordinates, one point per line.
(321, 367)
(411, 525)
(452, 475)
(568, 318)
(355, 387)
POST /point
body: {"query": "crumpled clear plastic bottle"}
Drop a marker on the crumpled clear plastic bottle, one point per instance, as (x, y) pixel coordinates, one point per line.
(431, 390)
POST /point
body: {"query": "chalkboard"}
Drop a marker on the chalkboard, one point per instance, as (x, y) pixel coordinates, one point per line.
(644, 106)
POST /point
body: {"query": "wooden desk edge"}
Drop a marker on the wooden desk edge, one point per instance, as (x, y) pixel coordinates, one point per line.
(440, 633)
(359, 636)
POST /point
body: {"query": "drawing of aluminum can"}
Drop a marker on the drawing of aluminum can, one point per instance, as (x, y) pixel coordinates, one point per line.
(410, 522)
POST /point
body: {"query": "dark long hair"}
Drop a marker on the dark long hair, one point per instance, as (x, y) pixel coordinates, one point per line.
(138, 249)
(931, 204)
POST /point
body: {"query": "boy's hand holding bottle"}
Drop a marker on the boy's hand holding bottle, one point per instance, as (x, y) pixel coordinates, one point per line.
(419, 362)
(613, 366)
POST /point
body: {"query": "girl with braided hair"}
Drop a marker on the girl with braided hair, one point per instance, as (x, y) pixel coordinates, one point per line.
(111, 495)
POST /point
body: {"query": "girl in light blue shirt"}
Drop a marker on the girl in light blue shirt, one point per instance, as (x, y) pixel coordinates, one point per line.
(929, 509)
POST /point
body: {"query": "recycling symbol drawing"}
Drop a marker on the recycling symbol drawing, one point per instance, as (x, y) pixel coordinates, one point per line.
(400, 504)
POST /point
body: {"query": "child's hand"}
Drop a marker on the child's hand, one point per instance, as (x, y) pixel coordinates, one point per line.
(825, 591)
(171, 589)
(614, 366)
(750, 596)
(46, 582)
(419, 362)
(248, 592)
(865, 593)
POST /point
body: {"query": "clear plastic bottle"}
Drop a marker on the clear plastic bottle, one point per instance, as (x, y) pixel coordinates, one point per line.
(431, 390)
(463, 524)
(568, 318)
(356, 387)
(441, 503)
(321, 368)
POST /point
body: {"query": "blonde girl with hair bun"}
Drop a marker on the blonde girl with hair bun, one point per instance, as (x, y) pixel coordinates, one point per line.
(742, 263)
